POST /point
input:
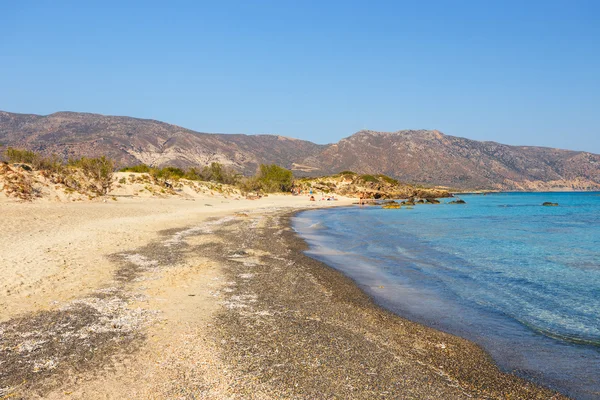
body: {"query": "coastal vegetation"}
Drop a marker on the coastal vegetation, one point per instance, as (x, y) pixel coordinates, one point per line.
(215, 172)
(23, 171)
(375, 187)
(24, 174)
(90, 176)
(268, 179)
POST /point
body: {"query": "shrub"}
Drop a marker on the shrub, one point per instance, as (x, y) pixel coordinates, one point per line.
(216, 172)
(369, 178)
(274, 178)
(98, 170)
(18, 184)
(193, 174)
(347, 173)
(387, 179)
(171, 173)
(20, 156)
(213, 172)
(165, 174)
(52, 164)
(141, 168)
(249, 184)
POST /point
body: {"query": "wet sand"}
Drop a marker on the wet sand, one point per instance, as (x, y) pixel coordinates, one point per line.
(229, 307)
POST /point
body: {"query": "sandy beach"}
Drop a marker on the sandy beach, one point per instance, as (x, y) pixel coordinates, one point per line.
(206, 297)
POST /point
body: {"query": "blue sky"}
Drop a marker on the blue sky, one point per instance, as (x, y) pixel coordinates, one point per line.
(516, 72)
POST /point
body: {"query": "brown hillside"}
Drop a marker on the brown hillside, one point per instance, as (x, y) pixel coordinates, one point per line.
(412, 156)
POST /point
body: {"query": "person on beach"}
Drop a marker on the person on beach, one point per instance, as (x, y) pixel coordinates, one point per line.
(312, 198)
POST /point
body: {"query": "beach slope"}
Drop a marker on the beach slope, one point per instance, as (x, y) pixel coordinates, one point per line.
(168, 298)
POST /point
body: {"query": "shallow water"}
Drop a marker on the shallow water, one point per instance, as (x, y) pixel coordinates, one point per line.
(520, 279)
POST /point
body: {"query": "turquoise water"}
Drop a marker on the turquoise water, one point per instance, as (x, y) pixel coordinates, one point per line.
(520, 279)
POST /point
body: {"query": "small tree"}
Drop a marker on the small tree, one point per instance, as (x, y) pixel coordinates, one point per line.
(99, 171)
(20, 156)
(217, 172)
(213, 172)
(274, 178)
(140, 168)
(249, 185)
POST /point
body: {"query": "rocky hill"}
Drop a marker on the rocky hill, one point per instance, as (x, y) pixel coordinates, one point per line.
(132, 141)
(436, 159)
(412, 156)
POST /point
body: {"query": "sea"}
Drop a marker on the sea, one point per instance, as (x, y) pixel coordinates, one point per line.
(520, 279)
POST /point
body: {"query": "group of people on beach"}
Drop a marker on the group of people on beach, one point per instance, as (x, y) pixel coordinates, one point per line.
(329, 198)
(296, 191)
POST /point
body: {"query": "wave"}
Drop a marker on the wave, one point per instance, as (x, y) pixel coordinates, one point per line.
(317, 226)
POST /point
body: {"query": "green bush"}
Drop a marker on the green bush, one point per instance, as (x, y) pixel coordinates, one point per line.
(213, 172)
(369, 178)
(347, 173)
(193, 174)
(170, 173)
(98, 170)
(141, 168)
(20, 156)
(52, 164)
(274, 178)
(216, 172)
(249, 184)
(387, 179)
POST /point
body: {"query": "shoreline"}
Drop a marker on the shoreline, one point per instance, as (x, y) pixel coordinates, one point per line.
(230, 306)
(413, 266)
(373, 288)
(483, 366)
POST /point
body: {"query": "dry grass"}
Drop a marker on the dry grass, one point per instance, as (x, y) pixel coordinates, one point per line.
(17, 182)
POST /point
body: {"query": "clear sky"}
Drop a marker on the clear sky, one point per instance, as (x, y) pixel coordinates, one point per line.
(518, 72)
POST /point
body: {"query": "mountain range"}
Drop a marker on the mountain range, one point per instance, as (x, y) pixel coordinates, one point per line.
(413, 156)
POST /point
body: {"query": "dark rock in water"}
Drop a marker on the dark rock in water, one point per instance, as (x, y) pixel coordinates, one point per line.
(549, 204)
(421, 201)
(391, 205)
(432, 201)
(459, 201)
(409, 202)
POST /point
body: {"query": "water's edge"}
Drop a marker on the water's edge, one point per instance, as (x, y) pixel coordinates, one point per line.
(525, 361)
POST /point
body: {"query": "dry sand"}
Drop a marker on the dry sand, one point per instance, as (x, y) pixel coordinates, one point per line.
(53, 252)
(208, 297)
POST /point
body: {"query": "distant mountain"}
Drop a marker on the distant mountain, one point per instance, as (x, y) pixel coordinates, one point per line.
(413, 156)
(434, 158)
(133, 141)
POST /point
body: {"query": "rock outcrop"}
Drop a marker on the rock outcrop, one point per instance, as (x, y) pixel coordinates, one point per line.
(368, 187)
